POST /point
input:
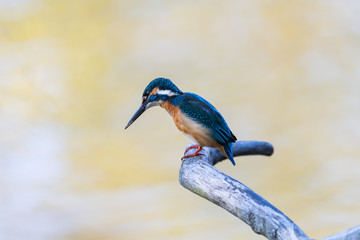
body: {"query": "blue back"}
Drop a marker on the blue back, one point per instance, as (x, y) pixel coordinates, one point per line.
(201, 111)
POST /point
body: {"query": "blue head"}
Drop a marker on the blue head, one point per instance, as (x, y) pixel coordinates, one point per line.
(159, 89)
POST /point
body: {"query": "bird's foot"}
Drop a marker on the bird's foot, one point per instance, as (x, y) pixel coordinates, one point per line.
(191, 147)
(196, 153)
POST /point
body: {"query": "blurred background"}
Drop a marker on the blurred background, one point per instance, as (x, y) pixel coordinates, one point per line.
(72, 74)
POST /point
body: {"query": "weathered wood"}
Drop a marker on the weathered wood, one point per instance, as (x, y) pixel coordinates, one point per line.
(198, 175)
(350, 234)
(241, 148)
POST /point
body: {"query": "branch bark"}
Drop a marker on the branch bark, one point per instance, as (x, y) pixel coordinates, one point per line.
(350, 234)
(198, 175)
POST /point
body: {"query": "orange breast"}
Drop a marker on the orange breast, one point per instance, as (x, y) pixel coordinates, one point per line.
(191, 128)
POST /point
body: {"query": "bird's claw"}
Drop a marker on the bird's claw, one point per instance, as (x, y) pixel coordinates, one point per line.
(196, 153)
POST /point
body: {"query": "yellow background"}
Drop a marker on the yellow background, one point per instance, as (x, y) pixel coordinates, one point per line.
(72, 74)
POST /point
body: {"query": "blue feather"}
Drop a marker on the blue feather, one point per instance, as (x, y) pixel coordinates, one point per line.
(201, 111)
(229, 153)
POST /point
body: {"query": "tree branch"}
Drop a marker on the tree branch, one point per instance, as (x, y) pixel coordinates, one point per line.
(198, 175)
(350, 234)
(241, 148)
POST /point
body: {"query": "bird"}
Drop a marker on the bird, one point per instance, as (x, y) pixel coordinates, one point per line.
(192, 115)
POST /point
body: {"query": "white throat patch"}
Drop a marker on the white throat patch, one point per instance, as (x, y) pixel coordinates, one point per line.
(152, 104)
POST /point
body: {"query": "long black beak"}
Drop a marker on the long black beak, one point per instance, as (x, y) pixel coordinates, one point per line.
(141, 109)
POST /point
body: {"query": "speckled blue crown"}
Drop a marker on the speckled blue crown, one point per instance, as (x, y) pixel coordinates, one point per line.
(162, 84)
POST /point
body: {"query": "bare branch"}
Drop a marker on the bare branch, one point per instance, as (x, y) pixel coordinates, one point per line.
(350, 234)
(199, 176)
(242, 148)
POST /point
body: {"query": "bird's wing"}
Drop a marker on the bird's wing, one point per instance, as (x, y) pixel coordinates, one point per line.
(206, 114)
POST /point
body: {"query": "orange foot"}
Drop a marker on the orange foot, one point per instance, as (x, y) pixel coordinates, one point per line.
(196, 153)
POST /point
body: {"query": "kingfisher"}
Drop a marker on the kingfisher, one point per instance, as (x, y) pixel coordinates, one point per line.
(192, 115)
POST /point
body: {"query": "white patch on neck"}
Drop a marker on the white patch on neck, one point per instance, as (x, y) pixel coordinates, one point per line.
(166, 92)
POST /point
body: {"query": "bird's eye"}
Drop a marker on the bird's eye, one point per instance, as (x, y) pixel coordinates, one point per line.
(144, 98)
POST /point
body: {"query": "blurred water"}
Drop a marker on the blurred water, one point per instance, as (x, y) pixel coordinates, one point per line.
(72, 75)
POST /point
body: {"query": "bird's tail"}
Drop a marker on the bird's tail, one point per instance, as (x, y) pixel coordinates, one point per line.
(228, 150)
